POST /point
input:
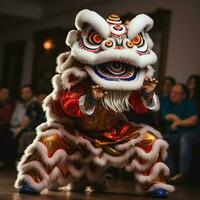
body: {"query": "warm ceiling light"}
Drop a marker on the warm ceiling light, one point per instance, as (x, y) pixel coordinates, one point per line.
(48, 44)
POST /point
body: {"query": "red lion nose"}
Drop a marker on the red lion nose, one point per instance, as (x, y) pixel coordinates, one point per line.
(119, 47)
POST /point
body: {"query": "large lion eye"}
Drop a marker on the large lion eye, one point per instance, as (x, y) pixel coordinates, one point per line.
(138, 40)
(95, 38)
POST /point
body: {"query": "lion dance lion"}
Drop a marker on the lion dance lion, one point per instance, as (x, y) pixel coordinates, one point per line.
(108, 71)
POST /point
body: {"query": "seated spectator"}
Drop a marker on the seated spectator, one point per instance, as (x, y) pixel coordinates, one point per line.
(17, 123)
(193, 86)
(166, 86)
(191, 141)
(8, 142)
(34, 117)
(6, 109)
(181, 117)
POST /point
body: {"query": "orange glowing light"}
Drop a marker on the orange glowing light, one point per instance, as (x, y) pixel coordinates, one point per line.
(48, 44)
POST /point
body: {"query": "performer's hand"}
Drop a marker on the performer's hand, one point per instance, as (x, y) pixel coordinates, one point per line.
(98, 92)
(148, 88)
(149, 85)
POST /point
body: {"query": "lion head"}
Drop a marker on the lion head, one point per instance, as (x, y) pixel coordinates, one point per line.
(116, 55)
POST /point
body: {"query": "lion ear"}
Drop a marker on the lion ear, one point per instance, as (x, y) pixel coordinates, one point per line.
(141, 23)
(90, 18)
(72, 37)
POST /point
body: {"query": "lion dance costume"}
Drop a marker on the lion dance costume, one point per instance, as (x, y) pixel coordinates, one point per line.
(83, 137)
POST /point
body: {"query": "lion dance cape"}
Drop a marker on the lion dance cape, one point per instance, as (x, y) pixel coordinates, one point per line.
(78, 142)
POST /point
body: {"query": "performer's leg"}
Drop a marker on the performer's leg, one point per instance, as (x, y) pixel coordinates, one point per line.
(96, 177)
(44, 164)
(149, 166)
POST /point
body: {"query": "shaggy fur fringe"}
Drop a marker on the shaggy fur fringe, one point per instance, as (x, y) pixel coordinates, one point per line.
(102, 160)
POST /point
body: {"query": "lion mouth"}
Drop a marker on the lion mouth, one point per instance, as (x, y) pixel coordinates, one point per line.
(116, 71)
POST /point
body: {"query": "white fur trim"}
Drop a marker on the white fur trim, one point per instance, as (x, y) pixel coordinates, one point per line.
(138, 24)
(150, 72)
(29, 180)
(60, 156)
(64, 61)
(93, 19)
(97, 156)
(80, 74)
(154, 173)
(56, 179)
(135, 164)
(131, 142)
(62, 58)
(146, 128)
(72, 37)
(159, 146)
(57, 86)
(149, 41)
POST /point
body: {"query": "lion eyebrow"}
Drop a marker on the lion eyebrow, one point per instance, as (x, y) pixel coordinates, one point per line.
(91, 18)
(138, 24)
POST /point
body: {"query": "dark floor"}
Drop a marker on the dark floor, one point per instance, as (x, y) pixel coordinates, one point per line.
(118, 190)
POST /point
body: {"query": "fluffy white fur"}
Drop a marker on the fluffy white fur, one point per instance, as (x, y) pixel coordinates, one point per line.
(72, 37)
(100, 158)
(64, 61)
(138, 24)
(149, 41)
(159, 146)
(88, 17)
(146, 128)
(77, 72)
(136, 165)
(150, 72)
(62, 58)
(154, 173)
(117, 100)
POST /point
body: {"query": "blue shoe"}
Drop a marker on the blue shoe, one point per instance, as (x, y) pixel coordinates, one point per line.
(26, 189)
(158, 193)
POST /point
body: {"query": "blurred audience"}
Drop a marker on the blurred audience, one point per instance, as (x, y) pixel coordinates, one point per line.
(34, 116)
(8, 142)
(166, 86)
(17, 122)
(181, 117)
(193, 86)
(6, 109)
(191, 141)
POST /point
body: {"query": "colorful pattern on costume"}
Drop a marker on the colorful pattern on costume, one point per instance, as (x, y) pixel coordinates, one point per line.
(80, 142)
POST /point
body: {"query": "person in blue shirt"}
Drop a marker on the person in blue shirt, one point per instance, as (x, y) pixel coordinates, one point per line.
(181, 118)
(166, 86)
